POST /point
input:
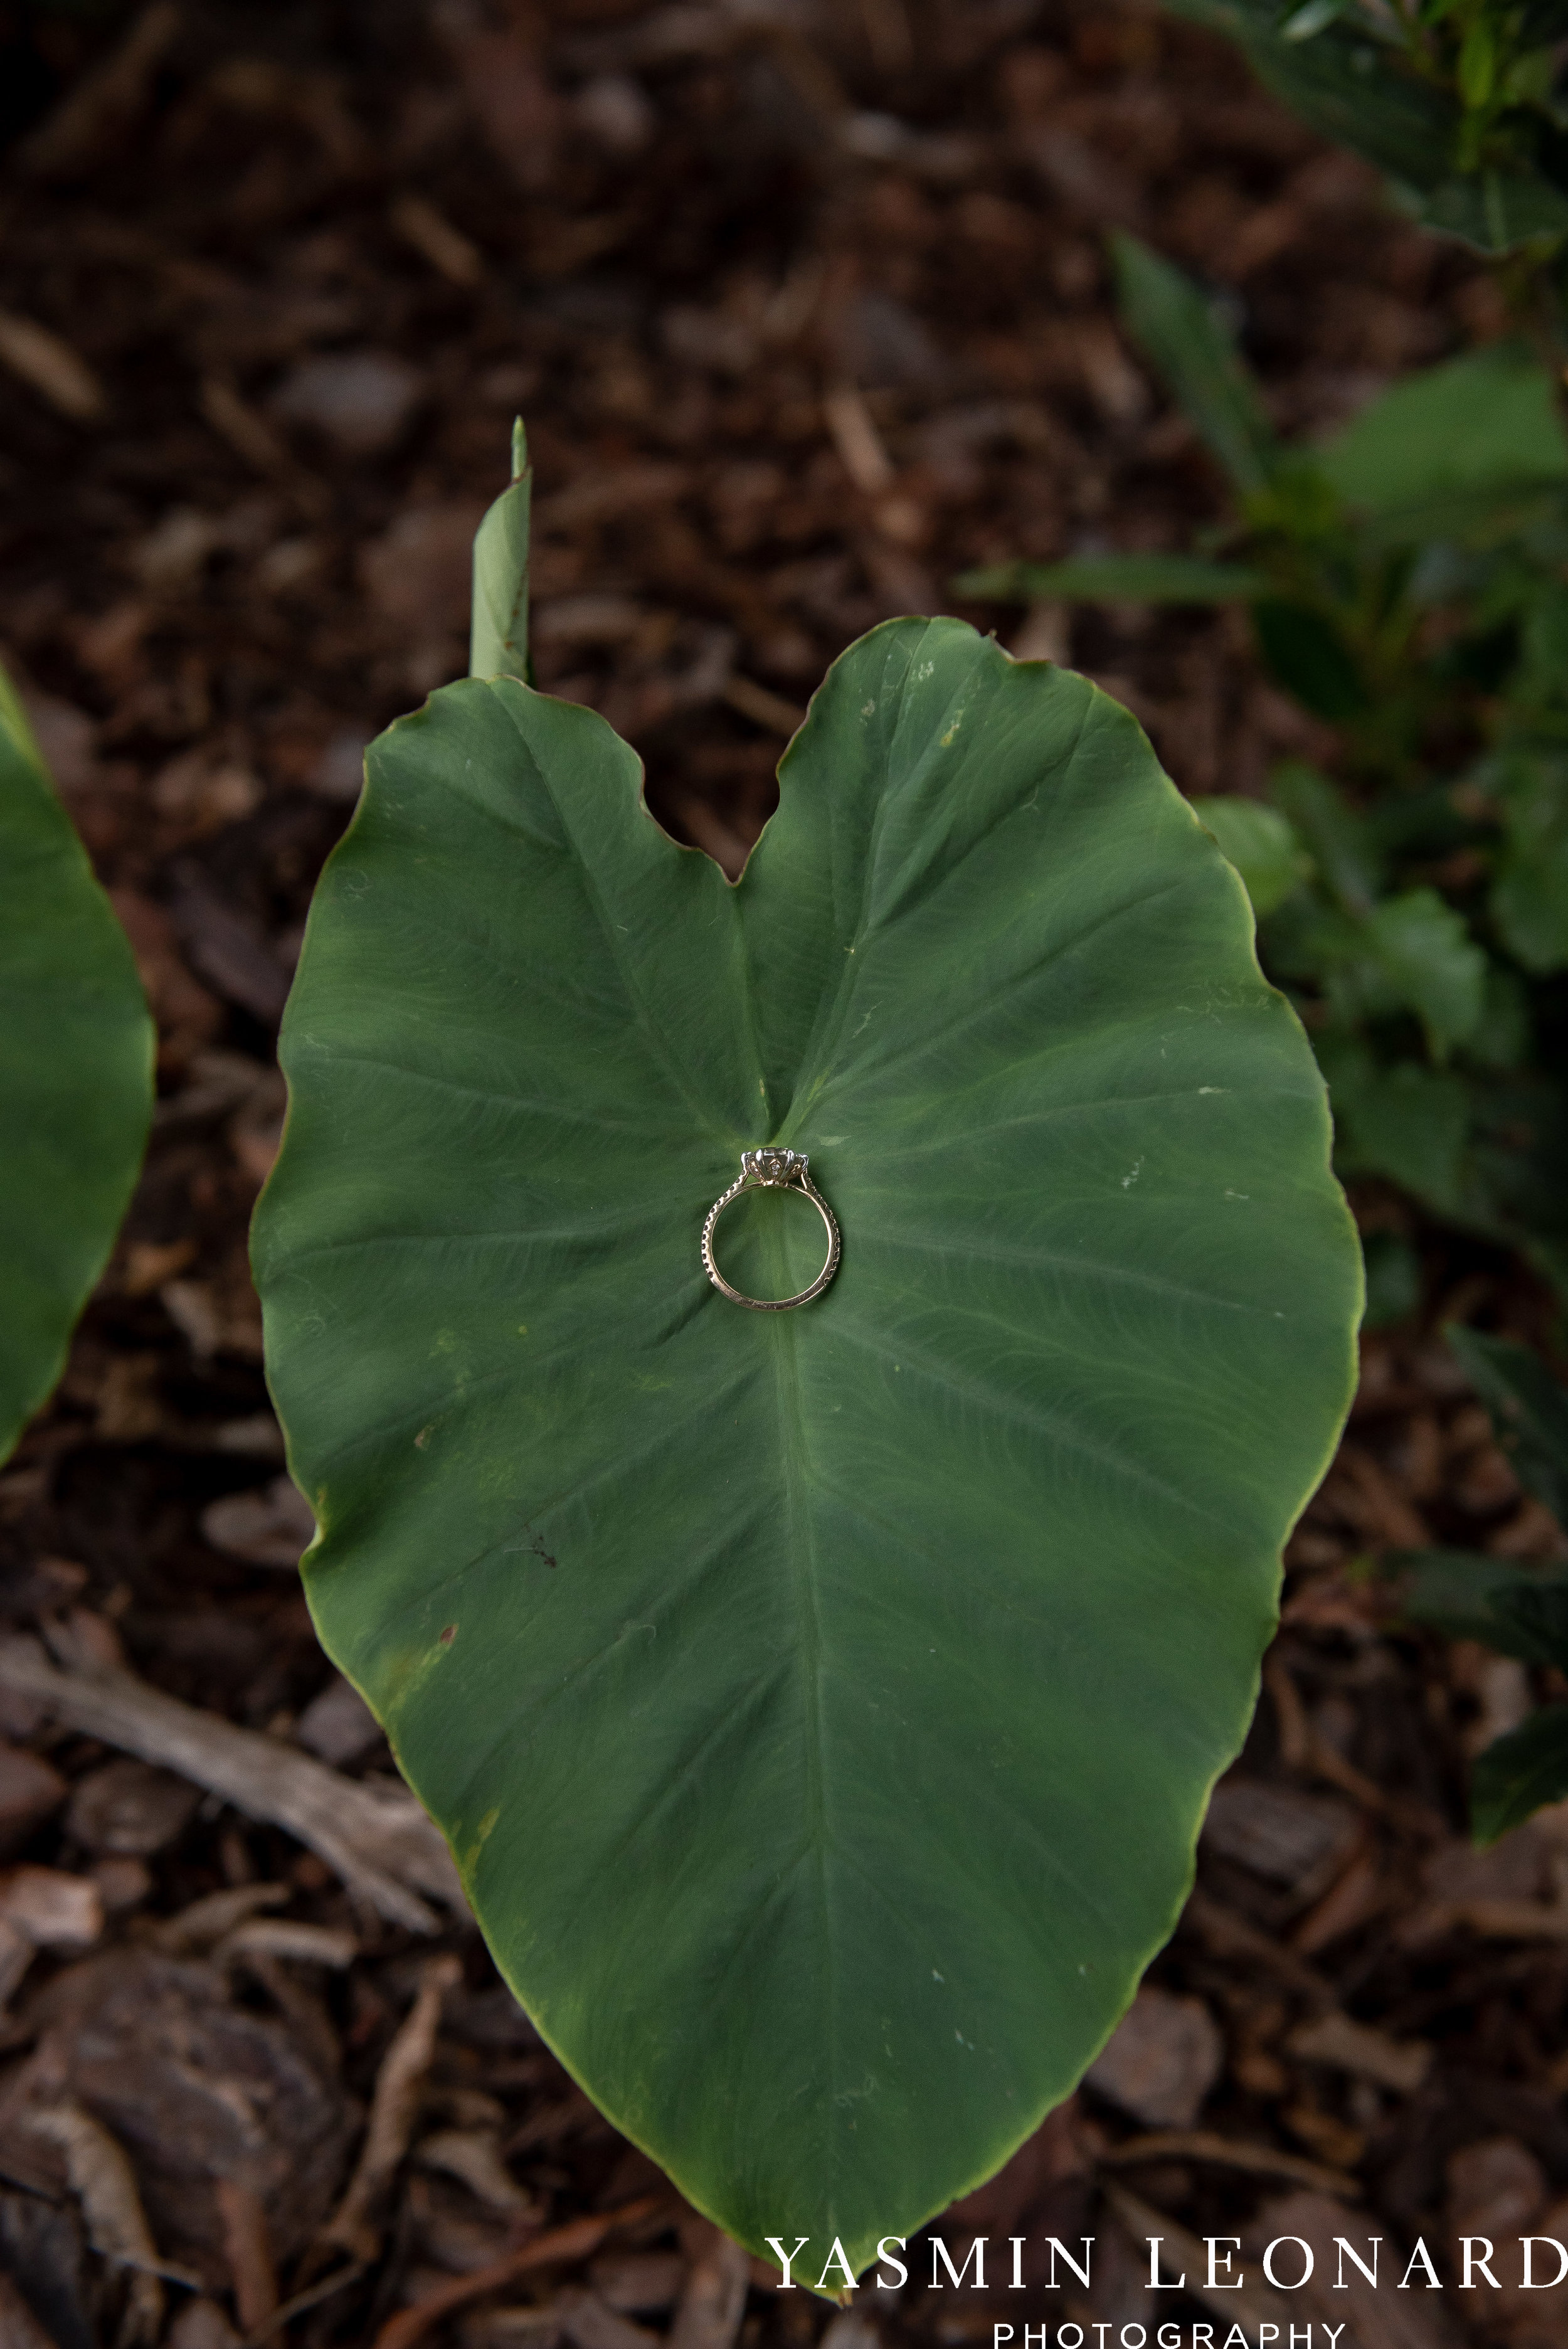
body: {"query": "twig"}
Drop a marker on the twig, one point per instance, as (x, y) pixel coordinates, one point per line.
(1229, 2153)
(562, 2245)
(1230, 1936)
(339, 2280)
(104, 101)
(379, 1842)
(393, 2109)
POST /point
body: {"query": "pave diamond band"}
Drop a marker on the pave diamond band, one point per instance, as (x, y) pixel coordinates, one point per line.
(771, 1170)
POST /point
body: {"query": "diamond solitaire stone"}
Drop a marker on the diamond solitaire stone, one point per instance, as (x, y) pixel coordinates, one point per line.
(773, 1167)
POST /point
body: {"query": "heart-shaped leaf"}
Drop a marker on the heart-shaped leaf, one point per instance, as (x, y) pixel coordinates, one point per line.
(821, 1705)
(75, 1075)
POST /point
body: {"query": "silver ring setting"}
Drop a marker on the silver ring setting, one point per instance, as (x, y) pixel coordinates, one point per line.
(771, 1170)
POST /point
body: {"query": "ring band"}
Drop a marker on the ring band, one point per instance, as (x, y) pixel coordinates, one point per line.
(771, 1170)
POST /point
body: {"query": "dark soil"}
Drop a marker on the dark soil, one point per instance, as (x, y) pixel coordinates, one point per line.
(807, 309)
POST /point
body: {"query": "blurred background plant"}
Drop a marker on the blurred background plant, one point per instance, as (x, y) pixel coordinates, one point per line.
(1459, 101)
(1405, 581)
(1521, 1615)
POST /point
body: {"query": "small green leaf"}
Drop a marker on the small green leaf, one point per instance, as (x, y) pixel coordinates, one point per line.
(498, 643)
(822, 1704)
(1167, 316)
(1481, 425)
(1312, 17)
(1536, 1609)
(1518, 1775)
(1260, 843)
(1115, 579)
(1408, 1123)
(1529, 1410)
(1529, 892)
(1340, 842)
(1310, 659)
(76, 1076)
(1478, 63)
(1452, 1591)
(1425, 951)
(1393, 1280)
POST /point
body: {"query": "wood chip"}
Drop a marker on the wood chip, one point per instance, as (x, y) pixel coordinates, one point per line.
(281, 1937)
(206, 1921)
(474, 2156)
(1292, 1838)
(1362, 1891)
(1161, 2060)
(51, 1909)
(1336, 2039)
(764, 709)
(858, 444)
(30, 1788)
(714, 2302)
(431, 233)
(46, 362)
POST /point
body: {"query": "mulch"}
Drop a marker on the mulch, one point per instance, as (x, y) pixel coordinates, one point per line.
(807, 310)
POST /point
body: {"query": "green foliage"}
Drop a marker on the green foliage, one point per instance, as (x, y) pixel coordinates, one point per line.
(498, 636)
(1393, 1280)
(1407, 582)
(1522, 1615)
(1519, 1773)
(1461, 102)
(1168, 315)
(76, 1076)
(821, 1706)
(1260, 843)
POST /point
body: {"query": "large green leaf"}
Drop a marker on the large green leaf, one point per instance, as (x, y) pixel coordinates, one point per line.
(821, 1705)
(76, 1076)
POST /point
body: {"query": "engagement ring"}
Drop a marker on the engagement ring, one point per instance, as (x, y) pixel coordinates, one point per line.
(771, 1170)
